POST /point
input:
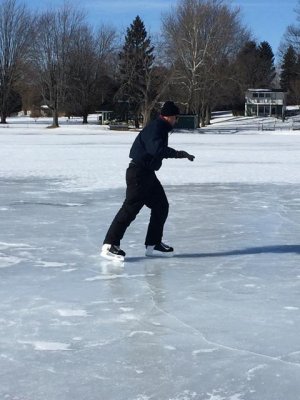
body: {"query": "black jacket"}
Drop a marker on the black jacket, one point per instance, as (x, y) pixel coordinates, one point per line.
(151, 145)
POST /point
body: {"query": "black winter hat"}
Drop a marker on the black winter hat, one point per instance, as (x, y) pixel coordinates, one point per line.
(169, 108)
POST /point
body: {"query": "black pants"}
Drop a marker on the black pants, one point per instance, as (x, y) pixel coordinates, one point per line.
(143, 188)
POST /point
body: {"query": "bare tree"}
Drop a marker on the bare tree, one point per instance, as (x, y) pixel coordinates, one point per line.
(89, 67)
(202, 35)
(157, 82)
(29, 90)
(55, 37)
(291, 36)
(16, 35)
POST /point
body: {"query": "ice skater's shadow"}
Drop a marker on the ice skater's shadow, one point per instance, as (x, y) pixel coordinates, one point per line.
(276, 249)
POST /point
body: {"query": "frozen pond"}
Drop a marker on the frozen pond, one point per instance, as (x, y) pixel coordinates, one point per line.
(219, 321)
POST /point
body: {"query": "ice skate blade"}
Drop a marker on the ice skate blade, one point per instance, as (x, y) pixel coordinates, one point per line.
(115, 258)
(159, 254)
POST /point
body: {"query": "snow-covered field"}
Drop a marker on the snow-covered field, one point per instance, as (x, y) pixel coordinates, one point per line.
(219, 321)
(93, 157)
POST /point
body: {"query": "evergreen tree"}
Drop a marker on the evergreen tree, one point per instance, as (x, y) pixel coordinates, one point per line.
(244, 75)
(266, 65)
(288, 68)
(136, 60)
(290, 75)
(253, 68)
(255, 65)
(247, 66)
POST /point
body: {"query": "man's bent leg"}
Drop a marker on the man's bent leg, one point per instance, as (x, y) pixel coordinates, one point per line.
(129, 210)
(121, 222)
(159, 205)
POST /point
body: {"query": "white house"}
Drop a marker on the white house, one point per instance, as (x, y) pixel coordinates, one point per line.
(265, 102)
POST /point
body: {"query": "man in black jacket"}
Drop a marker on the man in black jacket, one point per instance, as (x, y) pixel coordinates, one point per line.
(143, 187)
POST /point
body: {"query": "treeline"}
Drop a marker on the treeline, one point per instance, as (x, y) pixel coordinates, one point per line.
(204, 59)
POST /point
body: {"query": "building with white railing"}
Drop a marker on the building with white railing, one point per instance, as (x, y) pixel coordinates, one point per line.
(265, 103)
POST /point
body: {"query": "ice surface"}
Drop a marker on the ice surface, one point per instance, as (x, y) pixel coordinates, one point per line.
(218, 321)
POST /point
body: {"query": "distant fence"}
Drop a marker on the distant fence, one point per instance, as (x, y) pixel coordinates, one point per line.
(119, 127)
(280, 126)
(261, 125)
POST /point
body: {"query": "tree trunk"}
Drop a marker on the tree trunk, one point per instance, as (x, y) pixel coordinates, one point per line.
(55, 119)
(85, 119)
(3, 118)
(202, 116)
(207, 115)
(146, 116)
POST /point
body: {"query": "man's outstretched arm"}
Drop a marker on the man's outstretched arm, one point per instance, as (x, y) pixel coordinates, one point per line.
(184, 154)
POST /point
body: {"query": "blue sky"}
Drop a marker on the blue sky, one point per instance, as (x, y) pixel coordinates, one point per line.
(267, 19)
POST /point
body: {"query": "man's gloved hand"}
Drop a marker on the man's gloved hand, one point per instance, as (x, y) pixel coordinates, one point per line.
(184, 154)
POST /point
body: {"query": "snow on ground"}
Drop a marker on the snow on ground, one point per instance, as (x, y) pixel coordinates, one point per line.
(93, 157)
(218, 321)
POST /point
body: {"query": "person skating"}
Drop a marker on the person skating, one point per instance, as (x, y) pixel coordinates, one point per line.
(143, 187)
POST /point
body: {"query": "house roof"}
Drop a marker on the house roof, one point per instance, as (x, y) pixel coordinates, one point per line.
(266, 90)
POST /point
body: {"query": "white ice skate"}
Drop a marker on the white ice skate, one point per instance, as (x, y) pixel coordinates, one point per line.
(112, 252)
(159, 250)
